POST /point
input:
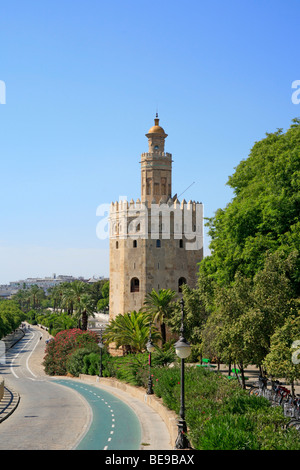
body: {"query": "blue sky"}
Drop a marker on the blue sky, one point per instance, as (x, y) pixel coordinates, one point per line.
(84, 80)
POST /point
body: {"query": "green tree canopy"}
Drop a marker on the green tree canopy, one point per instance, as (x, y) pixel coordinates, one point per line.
(264, 212)
(283, 359)
(10, 317)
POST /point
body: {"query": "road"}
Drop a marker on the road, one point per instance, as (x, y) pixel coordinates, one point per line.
(58, 414)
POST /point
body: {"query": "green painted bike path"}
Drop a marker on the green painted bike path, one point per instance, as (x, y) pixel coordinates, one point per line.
(114, 425)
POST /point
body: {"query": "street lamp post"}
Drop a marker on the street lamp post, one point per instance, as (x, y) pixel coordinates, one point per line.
(101, 346)
(150, 348)
(183, 350)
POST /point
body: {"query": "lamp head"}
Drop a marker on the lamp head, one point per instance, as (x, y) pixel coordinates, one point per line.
(182, 348)
(150, 346)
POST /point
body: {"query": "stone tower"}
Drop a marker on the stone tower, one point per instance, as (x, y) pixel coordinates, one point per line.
(156, 242)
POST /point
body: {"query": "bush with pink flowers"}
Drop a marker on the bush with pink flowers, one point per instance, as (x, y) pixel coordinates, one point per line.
(63, 345)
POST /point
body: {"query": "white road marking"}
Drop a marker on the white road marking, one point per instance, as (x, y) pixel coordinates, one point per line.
(27, 365)
(15, 357)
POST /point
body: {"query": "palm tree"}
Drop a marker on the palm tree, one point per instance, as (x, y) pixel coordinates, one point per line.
(130, 331)
(76, 296)
(67, 298)
(55, 293)
(23, 299)
(159, 305)
(84, 307)
(36, 294)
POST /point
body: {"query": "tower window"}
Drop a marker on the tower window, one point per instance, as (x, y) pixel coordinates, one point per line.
(180, 243)
(158, 244)
(117, 245)
(148, 186)
(164, 186)
(134, 285)
(134, 244)
(181, 281)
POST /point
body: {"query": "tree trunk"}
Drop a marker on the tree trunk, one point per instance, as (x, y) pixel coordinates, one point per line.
(163, 332)
(84, 320)
(242, 376)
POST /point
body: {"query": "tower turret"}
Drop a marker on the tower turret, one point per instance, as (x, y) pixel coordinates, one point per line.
(156, 167)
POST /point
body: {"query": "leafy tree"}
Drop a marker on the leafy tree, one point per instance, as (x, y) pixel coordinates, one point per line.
(56, 322)
(10, 317)
(99, 290)
(264, 212)
(195, 316)
(103, 302)
(248, 312)
(282, 360)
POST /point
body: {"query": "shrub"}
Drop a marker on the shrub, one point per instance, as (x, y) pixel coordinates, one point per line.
(92, 363)
(229, 432)
(76, 361)
(220, 415)
(131, 368)
(63, 345)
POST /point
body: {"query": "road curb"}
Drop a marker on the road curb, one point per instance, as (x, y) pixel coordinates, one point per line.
(9, 403)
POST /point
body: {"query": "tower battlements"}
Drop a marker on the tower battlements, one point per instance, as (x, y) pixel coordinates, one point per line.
(171, 219)
(122, 205)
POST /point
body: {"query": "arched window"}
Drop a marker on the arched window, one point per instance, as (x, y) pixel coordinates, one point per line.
(181, 281)
(117, 245)
(180, 243)
(157, 243)
(134, 285)
(134, 244)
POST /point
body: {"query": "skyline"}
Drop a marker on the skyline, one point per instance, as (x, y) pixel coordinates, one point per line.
(83, 82)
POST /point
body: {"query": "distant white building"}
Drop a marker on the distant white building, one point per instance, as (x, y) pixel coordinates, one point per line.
(6, 290)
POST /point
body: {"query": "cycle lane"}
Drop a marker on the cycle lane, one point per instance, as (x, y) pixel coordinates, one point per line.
(114, 425)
